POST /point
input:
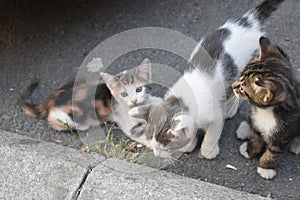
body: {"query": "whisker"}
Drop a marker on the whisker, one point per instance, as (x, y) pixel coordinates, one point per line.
(232, 98)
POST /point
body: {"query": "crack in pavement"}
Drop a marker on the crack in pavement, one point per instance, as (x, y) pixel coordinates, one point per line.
(85, 176)
(78, 190)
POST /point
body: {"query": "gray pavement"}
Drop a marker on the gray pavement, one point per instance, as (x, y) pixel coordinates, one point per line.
(32, 169)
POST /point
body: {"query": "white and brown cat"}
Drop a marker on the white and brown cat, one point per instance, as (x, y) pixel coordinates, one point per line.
(270, 86)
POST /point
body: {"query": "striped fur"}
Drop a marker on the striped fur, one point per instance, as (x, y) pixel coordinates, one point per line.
(271, 87)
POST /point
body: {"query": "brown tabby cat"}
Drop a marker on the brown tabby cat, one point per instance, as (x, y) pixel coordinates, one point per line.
(272, 89)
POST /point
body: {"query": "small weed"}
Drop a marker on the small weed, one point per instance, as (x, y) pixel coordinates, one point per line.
(121, 148)
(65, 123)
(113, 147)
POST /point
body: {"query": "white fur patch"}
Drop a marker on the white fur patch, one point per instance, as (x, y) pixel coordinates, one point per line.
(243, 150)
(244, 131)
(265, 121)
(185, 122)
(202, 93)
(133, 111)
(152, 99)
(295, 146)
(266, 173)
(210, 153)
(244, 39)
(157, 151)
(64, 117)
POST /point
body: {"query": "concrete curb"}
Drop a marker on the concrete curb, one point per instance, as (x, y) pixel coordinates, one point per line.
(31, 169)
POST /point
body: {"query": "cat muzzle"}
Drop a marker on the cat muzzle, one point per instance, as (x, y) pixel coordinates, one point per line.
(133, 101)
(235, 87)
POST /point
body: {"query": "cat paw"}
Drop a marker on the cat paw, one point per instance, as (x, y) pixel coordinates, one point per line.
(243, 150)
(210, 152)
(266, 173)
(244, 131)
(295, 146)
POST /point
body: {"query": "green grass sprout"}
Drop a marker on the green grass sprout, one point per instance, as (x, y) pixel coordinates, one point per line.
(65, 123)
(114, 147)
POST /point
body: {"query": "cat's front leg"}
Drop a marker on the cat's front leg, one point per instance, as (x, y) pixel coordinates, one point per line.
(210, 144)
(295, 145)
(244, 131)
(267, 164)
(252, 147)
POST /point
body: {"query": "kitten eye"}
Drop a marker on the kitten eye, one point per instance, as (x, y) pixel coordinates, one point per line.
(241, 88)
(124, 94)
(139, 89)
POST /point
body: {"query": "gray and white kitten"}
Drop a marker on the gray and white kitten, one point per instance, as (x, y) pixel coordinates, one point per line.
(130, 89)
(199, 99)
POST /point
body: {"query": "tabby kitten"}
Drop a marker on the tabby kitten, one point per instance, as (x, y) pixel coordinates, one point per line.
(130, 90)
(60, 108)
(272, 89)
(199, 100)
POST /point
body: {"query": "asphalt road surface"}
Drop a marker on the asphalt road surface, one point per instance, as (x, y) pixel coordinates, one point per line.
(49, 41)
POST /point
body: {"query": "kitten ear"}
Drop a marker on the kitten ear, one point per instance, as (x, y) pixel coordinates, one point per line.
(264, 94)
(111, 81)
(143, 72)
(140, 112)
(270, 89)
(146, 61)
(268, 49)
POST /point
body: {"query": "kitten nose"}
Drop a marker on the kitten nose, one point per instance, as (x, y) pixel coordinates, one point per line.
(133, 101)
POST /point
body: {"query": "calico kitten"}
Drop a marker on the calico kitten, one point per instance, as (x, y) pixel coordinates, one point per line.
(272, 89)
(59, 107)
(199, 91)
(130, 90)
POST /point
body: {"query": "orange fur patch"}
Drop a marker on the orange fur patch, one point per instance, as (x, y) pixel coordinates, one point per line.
(103, 111)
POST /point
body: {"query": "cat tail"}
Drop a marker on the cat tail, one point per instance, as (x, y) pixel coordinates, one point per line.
(265, 9)
(31, 109)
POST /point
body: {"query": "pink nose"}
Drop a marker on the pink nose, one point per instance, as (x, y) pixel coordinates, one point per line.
(133, 101)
